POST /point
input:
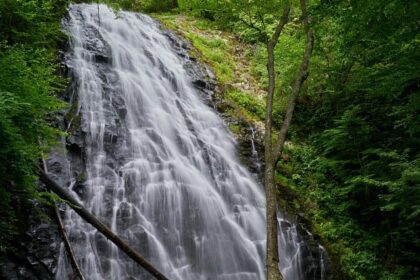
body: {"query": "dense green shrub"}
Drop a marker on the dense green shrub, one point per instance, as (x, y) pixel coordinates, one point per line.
(361, 118)
(28, 83)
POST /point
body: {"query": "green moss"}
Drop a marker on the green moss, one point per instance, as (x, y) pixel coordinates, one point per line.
(219, 50)
(214, 53)
(209, 47)
(254, 106)
(73, 117)
(235, 128)
(204, 24)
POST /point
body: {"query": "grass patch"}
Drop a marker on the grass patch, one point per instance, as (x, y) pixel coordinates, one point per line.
(235, 128)
(252, 104)
(230, 60)
(209, 45)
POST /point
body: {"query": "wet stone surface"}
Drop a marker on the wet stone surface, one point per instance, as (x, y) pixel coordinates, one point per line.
(36, 255)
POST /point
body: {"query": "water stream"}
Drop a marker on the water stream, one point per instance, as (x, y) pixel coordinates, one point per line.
(152, 160)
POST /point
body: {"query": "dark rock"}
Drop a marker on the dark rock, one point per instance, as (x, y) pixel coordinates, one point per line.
(122, 112)
(200, 83)
(36, 253)
(100, 50)
(80, 189)
(74, 144)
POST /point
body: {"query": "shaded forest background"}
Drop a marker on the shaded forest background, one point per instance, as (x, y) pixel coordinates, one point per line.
(353, 158)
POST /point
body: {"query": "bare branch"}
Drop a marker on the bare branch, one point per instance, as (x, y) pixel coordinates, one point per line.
(282, 22)
(272, 82)
(251, 25)
(300, 79)
(261, 18)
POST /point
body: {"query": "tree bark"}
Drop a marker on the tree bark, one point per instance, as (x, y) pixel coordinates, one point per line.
(68, 246)
(91, 219)
(297, 85)
(272, 259)
(174, 4)
(272, 156)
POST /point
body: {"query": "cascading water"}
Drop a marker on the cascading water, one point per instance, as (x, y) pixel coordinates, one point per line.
(159, 165)
(149, 158)
(301, 257)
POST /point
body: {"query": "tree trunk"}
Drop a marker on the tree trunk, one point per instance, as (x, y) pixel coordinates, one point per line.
(272, 259)
(174, 4)
(92, 220)
(272, 256)
(272, 156)
(297, 85)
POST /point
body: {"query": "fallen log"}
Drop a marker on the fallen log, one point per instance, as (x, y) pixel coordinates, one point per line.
(102, 228)
(68, 246)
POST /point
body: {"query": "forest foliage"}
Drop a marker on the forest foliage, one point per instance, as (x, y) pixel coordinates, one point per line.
(30, 36)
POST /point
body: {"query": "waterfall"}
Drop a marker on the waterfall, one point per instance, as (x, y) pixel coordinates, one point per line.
(301, 257)
(158, 165)
(147, 156)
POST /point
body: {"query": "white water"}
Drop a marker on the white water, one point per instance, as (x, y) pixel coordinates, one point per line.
(298, 261)
(158, 165)
(163, 172)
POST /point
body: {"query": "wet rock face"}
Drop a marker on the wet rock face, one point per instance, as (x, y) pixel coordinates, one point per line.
(37, 249)
(106, 139)
(201, 75)
(251, 148)
(249, 138)
(314, 258)
(303, 256)
(36, 254)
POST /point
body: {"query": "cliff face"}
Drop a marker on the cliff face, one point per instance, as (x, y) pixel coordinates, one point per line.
(36, 250)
